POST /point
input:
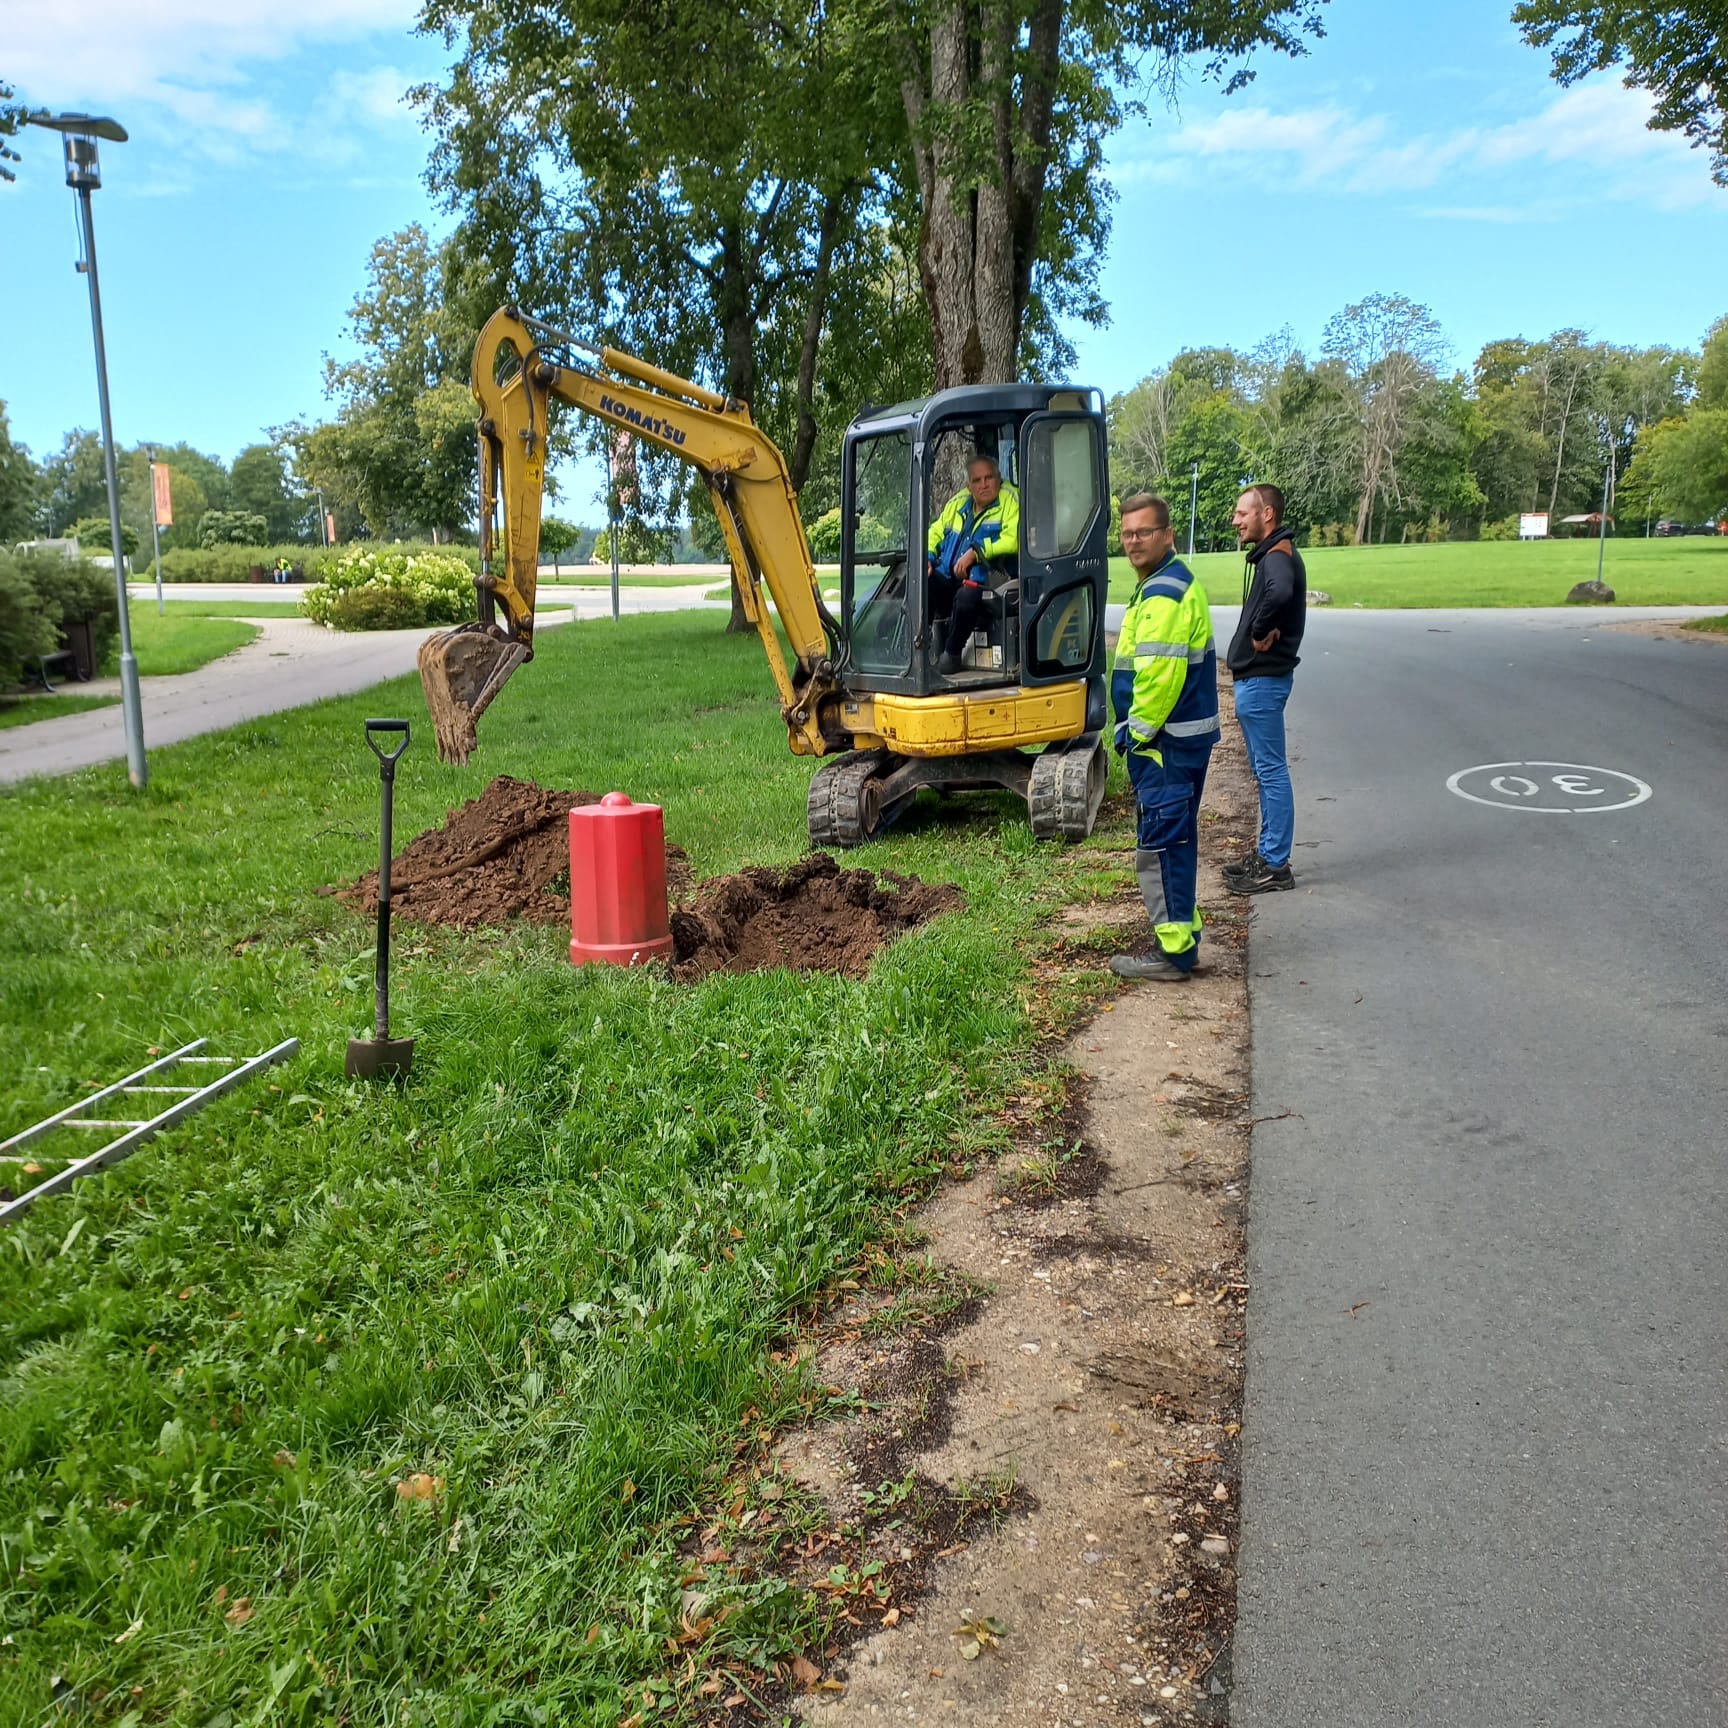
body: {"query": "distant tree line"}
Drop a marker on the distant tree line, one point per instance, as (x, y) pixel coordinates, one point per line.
(257, 500)
(1374, 438)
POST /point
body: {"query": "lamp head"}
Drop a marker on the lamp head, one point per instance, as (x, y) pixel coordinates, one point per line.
(83, 170)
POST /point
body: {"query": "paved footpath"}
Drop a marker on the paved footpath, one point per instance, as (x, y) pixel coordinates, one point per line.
(293, 662)
(1486, 1443)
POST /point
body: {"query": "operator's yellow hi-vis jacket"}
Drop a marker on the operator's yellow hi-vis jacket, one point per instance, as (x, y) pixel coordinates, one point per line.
(1164, 685)
(993, 532)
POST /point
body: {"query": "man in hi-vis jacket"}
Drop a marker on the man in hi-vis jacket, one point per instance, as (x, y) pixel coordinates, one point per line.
(1164, 689)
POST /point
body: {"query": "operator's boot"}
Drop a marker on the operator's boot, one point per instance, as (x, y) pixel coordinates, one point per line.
(1156, 967)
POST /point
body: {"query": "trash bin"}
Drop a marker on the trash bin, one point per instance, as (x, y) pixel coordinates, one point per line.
(258, 573)
(80, 637)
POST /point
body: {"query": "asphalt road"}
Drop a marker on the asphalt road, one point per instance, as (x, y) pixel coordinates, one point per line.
(1486, 1442)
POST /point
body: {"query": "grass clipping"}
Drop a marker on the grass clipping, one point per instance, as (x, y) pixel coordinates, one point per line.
(506, 854)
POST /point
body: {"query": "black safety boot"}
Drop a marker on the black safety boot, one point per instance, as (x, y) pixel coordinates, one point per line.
(948, 664)
(1261, 878)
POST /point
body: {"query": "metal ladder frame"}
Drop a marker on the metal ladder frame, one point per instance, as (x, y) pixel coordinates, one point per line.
(191, 1100)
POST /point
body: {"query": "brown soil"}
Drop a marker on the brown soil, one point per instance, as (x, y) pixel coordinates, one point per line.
(1668, 630)
(814, 917)
(505, 854)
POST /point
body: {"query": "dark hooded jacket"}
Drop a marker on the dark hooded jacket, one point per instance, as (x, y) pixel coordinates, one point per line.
(1274, 597)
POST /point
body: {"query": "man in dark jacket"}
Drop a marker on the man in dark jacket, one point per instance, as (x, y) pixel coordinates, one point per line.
(1262, 663)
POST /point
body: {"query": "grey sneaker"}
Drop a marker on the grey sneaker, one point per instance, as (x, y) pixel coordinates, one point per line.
(1153, 970)
(1262, 878)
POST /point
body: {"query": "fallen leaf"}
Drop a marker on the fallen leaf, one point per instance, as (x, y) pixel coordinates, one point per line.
(420, 1486)
(131, 1631)
(629, 1491)
(1182, 1299)
(734, 1701)
(708, 1689)
(284, 1459)
(971, 1650)
(804, 1671)
(832, 1686)
(240, 1613)
(892, 1617)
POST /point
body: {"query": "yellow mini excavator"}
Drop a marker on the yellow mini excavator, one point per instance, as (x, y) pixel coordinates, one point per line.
(1025, 712)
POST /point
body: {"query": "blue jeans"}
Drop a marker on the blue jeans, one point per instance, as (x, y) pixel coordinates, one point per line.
(1260, 710)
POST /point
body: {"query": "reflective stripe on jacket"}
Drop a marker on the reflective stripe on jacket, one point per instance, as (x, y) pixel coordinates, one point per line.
(1164, 684)
(993, 533)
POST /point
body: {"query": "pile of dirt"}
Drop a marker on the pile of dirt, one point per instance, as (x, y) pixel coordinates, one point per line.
(814, 917)
(505, 854)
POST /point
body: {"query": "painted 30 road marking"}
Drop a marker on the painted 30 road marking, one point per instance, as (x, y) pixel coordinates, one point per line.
(1549, 788)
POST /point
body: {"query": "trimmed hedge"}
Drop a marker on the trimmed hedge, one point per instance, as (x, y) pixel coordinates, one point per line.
(235, 563)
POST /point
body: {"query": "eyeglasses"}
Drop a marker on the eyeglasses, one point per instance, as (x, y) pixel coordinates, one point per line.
(1142, 533)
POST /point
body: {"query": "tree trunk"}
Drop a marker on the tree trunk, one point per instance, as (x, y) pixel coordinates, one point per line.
(804, 442)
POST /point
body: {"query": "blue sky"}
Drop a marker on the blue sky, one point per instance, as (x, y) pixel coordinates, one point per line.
(1421, 149)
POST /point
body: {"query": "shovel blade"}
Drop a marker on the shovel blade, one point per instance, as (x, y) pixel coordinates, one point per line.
(370, 1058)
(461, 670)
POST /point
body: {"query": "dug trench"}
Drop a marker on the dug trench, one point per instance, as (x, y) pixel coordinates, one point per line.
(1017, 1501)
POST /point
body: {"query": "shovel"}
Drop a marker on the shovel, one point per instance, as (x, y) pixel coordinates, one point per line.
(369, 1057)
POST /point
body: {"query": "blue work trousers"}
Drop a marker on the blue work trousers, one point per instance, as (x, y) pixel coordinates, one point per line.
(1260, 706)
(1167, 858)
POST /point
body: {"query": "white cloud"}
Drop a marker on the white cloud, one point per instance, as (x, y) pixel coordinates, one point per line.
(1598, 126)
(207, 65)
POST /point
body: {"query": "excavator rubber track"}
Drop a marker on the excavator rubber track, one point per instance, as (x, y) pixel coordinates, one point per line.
(1067, 787)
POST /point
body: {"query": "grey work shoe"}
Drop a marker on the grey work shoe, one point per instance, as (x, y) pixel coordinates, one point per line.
(1154, 970)
(1261, 878)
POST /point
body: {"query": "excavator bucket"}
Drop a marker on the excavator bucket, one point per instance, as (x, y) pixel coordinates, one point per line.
(461, 670)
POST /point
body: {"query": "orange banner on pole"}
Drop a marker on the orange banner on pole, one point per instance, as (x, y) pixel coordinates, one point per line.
(163, 498)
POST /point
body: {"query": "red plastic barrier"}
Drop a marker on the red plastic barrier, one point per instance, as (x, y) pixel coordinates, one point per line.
(618, 883)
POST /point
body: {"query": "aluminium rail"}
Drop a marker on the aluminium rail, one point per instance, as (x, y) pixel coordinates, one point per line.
(190, 1100)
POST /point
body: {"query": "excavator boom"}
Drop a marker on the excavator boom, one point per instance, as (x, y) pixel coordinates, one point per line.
(520, 367)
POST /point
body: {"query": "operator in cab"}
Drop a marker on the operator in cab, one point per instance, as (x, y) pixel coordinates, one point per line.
(974, 542)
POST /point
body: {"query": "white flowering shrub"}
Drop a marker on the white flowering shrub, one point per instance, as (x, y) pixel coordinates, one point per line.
(392, 588)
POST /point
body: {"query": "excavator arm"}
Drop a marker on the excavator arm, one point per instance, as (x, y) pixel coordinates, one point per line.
(520, 366)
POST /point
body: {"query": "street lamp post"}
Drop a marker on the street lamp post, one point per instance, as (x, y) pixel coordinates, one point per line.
(1193, 505)
(84, 175)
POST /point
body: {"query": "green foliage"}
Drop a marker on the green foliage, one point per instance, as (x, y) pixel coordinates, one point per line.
(74, 484)
(232, 528)
(440, 587)
(18, 486)
(258, 484)
(824, 535)
(637, 544)
(557, 538)
(1684, 463)
(95, 537)
(401, 454)
(25, 628)
(1674, 51)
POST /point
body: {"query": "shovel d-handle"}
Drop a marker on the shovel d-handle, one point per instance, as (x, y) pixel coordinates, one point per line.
(387, 760)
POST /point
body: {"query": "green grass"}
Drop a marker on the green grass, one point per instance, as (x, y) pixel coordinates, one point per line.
(176, 642)
(220, 608)
(1714, 626)
(25, 710)
(1680, 572)
(549, 1269)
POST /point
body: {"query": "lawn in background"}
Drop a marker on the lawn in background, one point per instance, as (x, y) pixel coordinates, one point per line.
(1689, 571)
(23, 710)
(177, 642)
(547, 1273)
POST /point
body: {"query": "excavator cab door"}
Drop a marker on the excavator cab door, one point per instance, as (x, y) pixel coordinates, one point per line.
(1064, 546)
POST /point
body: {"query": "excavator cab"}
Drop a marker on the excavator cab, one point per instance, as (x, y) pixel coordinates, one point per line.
(1043, 615)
